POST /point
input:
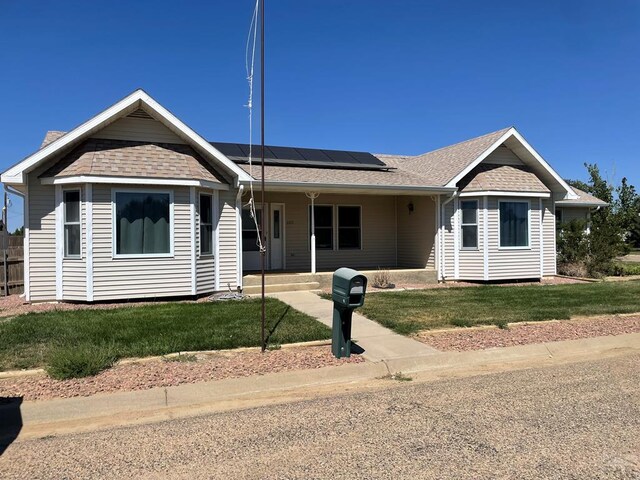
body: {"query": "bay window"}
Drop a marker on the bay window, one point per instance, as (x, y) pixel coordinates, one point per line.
(72, 228)
(514, 224)
(206, 224)
(469, 230)
(142, 223)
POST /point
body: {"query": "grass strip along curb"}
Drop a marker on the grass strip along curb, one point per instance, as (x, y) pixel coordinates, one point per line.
(83, 342)
(408, 312)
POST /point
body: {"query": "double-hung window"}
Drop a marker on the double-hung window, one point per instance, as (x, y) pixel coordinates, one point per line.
(323, 217)
(469, 223)
(349, 228)
(514, 224)
(72, 229)
(206, 225)
(142, 223)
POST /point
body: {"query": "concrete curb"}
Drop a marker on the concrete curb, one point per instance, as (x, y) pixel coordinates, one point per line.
(57, 416)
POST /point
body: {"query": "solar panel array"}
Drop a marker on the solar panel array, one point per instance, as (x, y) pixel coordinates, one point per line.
(302, 157)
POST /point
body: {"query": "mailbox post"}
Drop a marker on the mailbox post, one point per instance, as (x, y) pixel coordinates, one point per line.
(348, 290)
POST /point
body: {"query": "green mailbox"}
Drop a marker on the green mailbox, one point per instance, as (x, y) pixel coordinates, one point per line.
(348, 290)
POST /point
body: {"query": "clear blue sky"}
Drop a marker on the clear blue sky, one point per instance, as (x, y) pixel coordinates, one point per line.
(383, 76)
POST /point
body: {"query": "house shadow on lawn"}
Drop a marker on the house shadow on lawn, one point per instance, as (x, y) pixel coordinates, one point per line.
(10, 421)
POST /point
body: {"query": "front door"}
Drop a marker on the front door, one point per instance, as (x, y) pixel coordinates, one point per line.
(276, 243)
(250, 248)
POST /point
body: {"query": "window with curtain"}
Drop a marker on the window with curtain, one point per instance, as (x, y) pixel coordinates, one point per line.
(324, 226)
(514, 224)
(206, 225)
(143, 223)
(469, 223)
(349, 229)
(72, 229)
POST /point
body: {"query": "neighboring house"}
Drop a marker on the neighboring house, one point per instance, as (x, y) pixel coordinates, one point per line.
(578, 208)
(135, 204)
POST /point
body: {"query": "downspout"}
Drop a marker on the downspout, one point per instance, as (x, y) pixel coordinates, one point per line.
(441, 252)
(239, 235)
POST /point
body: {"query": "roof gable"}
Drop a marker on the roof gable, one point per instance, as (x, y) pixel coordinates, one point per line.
(130, 104)
(440, 166)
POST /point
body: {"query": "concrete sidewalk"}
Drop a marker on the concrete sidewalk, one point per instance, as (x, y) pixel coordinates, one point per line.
(60, 416)
(379, 343)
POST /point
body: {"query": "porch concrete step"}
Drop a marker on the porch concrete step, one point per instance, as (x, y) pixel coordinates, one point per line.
(278, 279)
(281, 287)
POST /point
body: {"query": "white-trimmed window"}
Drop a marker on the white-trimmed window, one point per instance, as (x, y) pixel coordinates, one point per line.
(250, 230)
(514, 224)
(323, 226)
(349, 227)
(469, 224)
(143, 223)
(206, 224)
(72, 227)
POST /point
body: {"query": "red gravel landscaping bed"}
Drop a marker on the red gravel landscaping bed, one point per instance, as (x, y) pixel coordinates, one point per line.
(164, 373)
(527, 333)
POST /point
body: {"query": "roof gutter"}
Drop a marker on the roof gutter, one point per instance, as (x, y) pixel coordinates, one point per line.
(308, 186)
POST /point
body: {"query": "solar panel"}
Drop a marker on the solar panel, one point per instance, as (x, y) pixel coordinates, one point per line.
(302, 157)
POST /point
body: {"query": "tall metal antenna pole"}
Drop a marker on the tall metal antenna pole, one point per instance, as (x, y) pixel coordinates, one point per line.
(263, 254)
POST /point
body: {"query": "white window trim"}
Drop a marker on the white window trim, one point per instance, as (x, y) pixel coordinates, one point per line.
(476, 224)
(117, 256)
(199, 226)
(65, 223)
(337, 228)
(334, 234)
(528, 246)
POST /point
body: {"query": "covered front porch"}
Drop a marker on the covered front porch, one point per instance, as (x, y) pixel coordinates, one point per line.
(289, 281)
(362, 231)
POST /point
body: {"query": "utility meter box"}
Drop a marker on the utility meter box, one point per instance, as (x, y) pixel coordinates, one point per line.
(348, 291)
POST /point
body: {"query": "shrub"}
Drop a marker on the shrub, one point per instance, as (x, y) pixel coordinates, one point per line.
(575, 269)
(622, 269)
(382, 279)
(79, 361)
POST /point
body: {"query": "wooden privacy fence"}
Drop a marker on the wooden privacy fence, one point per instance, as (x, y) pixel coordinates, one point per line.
(13, 268)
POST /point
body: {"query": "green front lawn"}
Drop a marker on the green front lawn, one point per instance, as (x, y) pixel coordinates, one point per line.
(30, 340)
(411, 311)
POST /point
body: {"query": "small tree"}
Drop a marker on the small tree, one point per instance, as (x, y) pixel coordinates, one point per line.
(610, 225)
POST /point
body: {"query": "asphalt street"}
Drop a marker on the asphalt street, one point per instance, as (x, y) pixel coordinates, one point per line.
(577, 421)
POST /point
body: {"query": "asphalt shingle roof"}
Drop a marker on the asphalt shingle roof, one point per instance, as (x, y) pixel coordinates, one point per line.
(122, 158)
(489, 177)
(442, 165)
(584, 200)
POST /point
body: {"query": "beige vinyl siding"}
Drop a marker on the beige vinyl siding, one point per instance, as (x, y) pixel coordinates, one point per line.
(227, 237)
(42, 239)
(471, 262)
(144, 277)
(74, 270)
(548, 237)
(416, 232)
(378, 232)
(138, 129)
(205, 265)
(448, 239)
(506, 264)
(574, 213)
(503, 156)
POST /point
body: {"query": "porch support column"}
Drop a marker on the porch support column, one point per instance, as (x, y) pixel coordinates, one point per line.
(312, 196)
